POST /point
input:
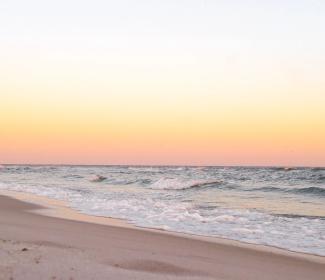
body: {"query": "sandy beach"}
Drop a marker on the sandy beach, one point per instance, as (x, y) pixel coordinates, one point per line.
(34, 246)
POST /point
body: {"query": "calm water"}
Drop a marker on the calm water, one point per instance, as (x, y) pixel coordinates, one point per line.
(272, 206)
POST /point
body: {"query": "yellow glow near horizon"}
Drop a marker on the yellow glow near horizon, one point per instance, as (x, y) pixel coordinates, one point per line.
(182, 98)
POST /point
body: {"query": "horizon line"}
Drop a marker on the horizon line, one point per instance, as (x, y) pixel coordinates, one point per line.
(163, 165)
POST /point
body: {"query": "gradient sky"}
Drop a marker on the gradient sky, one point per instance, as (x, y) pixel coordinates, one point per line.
(162, 82)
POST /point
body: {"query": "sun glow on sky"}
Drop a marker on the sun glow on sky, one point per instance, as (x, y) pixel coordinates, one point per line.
(162, 82)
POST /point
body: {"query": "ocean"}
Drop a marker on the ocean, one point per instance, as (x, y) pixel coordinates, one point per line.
(278, 207)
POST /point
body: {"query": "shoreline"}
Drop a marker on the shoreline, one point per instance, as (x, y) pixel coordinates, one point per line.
(35, 246)
(60, 209)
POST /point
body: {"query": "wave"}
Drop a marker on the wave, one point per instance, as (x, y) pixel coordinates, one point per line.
(134, 181)
(295, 216)
(146, 169)
(318, 169)
(308, 190)
(266, 189)
(97, 179)
(311, 190)
(176, 184)
(281, 168)
(320, 178)
(72, 176)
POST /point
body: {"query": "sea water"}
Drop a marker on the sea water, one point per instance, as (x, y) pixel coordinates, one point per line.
(271, 206)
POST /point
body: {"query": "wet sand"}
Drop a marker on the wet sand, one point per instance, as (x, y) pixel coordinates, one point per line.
(34, 246)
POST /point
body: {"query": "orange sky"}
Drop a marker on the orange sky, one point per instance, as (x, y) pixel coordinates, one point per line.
(121, 91)
(142, 130)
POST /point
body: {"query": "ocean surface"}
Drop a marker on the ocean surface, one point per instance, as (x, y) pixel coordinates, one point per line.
(271, 206)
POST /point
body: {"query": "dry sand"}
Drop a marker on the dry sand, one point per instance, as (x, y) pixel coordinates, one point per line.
(34, 246)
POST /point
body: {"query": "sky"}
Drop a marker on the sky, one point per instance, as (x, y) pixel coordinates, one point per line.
(162, 82)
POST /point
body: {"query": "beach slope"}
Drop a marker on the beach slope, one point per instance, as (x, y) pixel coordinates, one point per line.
(34, 246)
